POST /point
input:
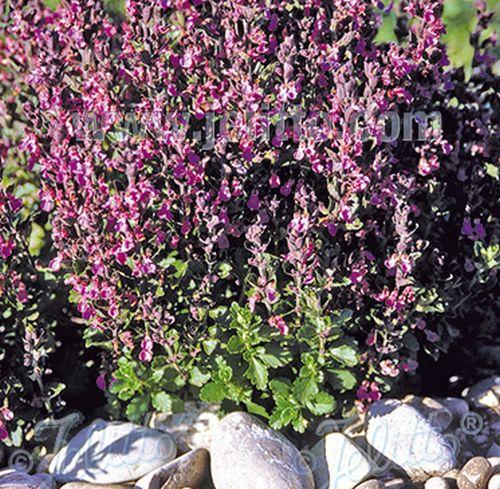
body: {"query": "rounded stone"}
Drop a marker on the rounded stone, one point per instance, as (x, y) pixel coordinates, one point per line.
(474, 474)
(495, 464)
(112, 453)
(485, 393)
(494, 450)
(408, 441)
(400, 483)
(437, 483)
(89, 485)
(371, 484)
(337, 462)
(189, 470)
(246, 454)
(21, 480)
(494, 482)
(192, 428)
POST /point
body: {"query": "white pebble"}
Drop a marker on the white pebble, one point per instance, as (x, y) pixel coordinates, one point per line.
(495, 463)
(436, 483)
(494, 482)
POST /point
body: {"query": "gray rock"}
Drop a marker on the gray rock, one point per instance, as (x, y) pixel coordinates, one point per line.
(44, 463)
(192, 428)
(437, 483)
(495, 464)
(21, 480)
(403, 436)
(89, 485)
(494, 450)
(371, 484)
(111, 453)
(187, 471)
(494, 482)
(338, 463)
(458, 407)
(400, 484)
(434, 411)
(475, 474)
(246, 454)
(485, 393)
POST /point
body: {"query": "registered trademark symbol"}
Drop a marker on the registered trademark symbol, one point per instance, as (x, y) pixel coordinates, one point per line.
(21, 460)
(471, 423)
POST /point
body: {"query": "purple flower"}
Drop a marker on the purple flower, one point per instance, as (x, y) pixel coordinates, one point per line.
(253, 202)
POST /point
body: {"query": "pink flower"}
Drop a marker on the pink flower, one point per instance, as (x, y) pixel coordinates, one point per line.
(101, 382)
(279, 323)
(165, 213)
(146, 353)
(6, 414)
(332, 229)
(6, 248)
(388, 368)
(474, 232)
(410, 365)
(253, 202)
(431, 336)
(274, 181)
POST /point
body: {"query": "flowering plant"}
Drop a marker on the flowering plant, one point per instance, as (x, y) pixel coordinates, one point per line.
(278, 268)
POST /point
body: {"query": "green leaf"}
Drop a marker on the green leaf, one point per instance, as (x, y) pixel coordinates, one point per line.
(257, 373)
(209, 346)
(235, 345)
(322, 404)
(137, 408)
(492, 170)
(257, 409)
(305, 389)
(197, 377)
(162, 402)
(341, 379)
(386, 31)
(276, 356)
(280, 387)
(345, 354)
(283, 415)
(36, 239)
(460, 19)
(213, 392)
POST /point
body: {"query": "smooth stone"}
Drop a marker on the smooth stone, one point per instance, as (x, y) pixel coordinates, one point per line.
(44, 464)
(485, 393)
(452, 474)
(437, 483)
(475, 474)
(191, 429)
(494, 450)
(112, 453)
(400, 484)
(89, 485)
(405, 438)
(246, 454)
(458, 407)
(6, 471)
(371, 484)
(494, 482)
(22, 480)
(434, 411)
(189, 470)
(451, 478)
(338, 463)
(495, 464)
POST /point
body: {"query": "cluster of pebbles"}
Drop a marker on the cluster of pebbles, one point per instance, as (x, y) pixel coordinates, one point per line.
(411, 443)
